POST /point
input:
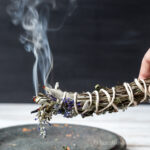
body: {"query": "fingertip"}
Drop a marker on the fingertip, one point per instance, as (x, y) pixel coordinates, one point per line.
(141, 77)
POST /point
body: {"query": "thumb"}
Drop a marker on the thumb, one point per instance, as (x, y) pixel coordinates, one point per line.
(145, 66)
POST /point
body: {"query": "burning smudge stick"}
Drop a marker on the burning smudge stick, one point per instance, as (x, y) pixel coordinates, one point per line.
(100, 101)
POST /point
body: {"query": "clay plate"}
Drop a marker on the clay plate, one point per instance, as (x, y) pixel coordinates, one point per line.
(76, 137)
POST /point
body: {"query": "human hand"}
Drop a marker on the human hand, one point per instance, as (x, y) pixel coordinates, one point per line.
(145, 66)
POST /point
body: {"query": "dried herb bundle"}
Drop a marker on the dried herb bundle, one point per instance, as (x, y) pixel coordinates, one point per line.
(100, 101)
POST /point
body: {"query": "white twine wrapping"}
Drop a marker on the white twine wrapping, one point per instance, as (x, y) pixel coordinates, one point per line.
(144, 90)
(130, 93)
(75, 103)
(87, 104)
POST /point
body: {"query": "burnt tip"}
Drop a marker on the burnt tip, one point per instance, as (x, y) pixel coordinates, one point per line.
(34, 98)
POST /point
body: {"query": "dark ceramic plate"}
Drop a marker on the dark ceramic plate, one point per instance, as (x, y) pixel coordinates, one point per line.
(58, 135)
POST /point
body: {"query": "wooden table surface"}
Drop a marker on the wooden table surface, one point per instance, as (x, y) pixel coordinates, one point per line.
(133, 124)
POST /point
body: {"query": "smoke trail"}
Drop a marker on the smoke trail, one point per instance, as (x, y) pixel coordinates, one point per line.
(34, 20)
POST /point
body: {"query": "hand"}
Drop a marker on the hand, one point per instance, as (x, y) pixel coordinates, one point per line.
(145, 66)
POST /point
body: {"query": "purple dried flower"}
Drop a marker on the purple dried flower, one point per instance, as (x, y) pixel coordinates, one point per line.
(53, 98)
(78, 103)
(36, 119)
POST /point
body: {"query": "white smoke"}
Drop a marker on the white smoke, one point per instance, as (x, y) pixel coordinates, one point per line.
(35, 23)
